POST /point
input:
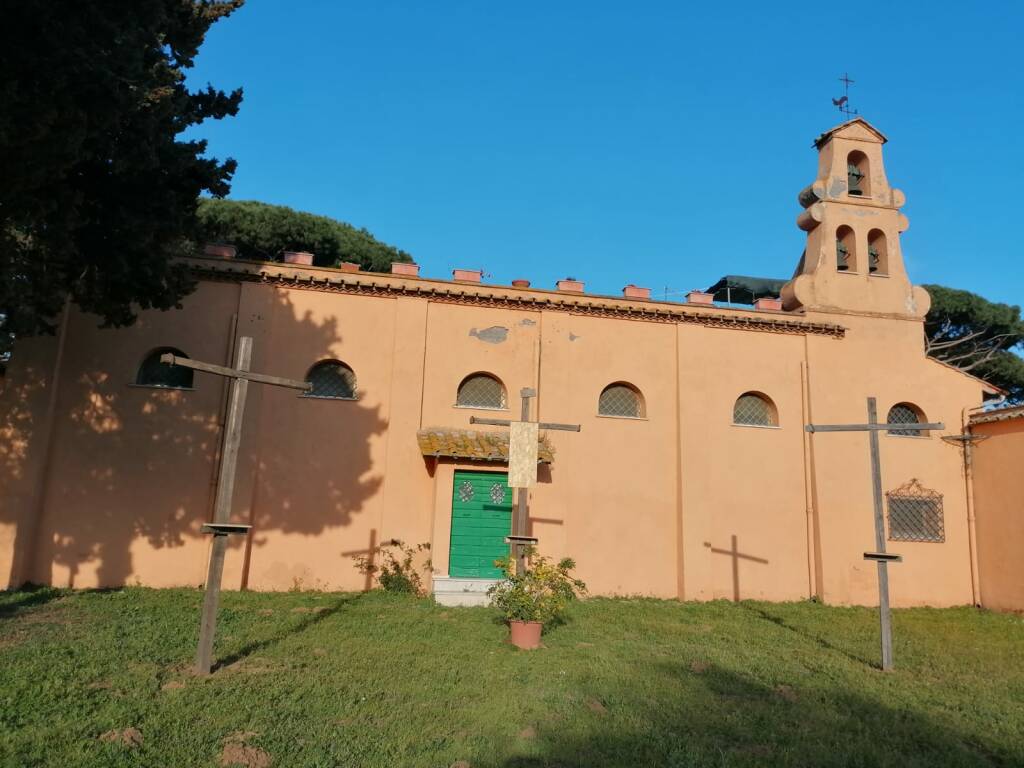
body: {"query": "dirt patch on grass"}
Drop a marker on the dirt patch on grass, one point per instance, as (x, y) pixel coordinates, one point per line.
(786, 693)
(699, 667)
(528, 733)
(596, 706)
(173, 685)
(236, 752)
(129, 737)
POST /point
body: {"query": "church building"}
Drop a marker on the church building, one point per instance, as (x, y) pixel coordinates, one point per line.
(692, 475)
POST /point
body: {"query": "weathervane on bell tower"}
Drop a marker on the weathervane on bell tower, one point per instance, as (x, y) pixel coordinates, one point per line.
(843, 102)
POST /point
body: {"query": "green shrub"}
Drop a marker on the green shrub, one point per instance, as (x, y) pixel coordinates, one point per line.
(541, 593)
(396, 573)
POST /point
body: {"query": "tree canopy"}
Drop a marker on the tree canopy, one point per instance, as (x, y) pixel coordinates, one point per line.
(978, 336)
(261, 231)
(98, 188)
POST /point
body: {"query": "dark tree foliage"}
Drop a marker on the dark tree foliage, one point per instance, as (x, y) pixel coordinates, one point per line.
(978, 336)
(261, 231)
(97, 190)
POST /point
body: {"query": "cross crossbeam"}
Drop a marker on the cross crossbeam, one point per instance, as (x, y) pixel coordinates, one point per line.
(234, 373)
(870, 427)
(508, 422)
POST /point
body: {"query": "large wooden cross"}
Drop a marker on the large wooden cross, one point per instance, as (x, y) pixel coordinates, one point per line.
(879, 556)
(221, 527)
(522, 465)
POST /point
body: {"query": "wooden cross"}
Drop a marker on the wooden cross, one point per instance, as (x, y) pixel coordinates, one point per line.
(879, 556)
(220, 527)
(522, 466)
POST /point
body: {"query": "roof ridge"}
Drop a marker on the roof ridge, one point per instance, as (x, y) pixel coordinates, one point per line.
(380, 284)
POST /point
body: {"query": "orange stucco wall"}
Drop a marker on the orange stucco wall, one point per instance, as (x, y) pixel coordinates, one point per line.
(680, 503)
(999, 512)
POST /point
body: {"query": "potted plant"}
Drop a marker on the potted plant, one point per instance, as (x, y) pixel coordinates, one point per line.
(535, 597)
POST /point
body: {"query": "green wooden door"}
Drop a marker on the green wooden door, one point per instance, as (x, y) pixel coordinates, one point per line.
(481, 519)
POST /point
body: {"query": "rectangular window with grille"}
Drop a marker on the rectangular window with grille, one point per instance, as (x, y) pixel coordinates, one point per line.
(915, 514)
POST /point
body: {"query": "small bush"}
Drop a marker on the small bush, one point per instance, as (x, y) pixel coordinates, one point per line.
(541, 593)
(396, 572)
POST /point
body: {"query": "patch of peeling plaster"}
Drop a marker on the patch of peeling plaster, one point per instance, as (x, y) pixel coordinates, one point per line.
(493, 335)
(527, 321)
(573, 336)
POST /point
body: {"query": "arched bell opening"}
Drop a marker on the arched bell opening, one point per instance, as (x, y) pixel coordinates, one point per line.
(858, 174)
(846, 250)
(878, 253)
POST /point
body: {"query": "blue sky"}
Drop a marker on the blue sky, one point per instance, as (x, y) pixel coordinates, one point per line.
(642, 142)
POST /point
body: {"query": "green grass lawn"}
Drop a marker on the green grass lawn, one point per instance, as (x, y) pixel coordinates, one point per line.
(316, 679)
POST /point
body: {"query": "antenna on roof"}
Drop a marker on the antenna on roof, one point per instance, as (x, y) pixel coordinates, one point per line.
(843, 102)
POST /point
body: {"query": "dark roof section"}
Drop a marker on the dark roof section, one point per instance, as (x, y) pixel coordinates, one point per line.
(740, 289)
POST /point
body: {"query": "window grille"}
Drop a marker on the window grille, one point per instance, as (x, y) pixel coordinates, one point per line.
(153, 373)
(753, 410)
(620, 400)
(904, 413)
(915, 513)
(481, 391)
(332, 380)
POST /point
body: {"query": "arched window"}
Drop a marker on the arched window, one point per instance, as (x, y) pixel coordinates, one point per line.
(622, 400)
(906, 413)
(878, 253)
(846, 250)
(332, 380)
(153, 373)
(481, 390)
(858, 177)
(754, 410)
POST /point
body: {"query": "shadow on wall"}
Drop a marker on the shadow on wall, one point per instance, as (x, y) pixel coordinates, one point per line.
(133, 466)
(720, 717)
(736, 556)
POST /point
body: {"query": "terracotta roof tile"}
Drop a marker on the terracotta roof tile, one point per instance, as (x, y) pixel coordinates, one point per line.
(998, 414)
(474, 444)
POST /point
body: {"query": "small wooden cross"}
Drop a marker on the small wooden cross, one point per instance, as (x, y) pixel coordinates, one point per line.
(522, 465)
(220, 526)
(880, 555)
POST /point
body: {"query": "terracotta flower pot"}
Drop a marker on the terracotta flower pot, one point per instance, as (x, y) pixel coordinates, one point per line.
(220, 251)
(525, 634)
(305, 258)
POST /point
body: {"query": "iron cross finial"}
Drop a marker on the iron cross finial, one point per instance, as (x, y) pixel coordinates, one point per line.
(843, 102)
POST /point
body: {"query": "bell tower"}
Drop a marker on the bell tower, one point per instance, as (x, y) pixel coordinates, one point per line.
(852, 261)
